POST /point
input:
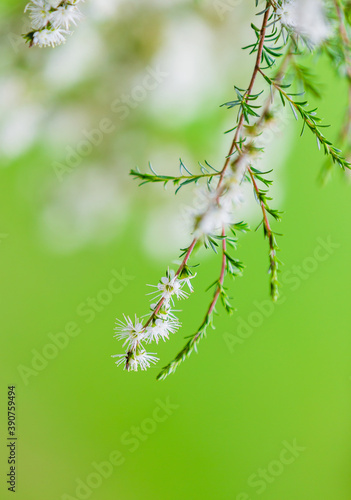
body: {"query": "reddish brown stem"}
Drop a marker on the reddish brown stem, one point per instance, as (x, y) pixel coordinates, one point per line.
(226, 163)
(161, 301)
(234, 144)
(180, 269)
(221, 281)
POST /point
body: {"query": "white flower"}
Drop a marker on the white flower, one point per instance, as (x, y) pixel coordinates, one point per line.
(235, 172)
(135, 359)
(51, 20)
(209, 215)
(40, 13)
(170, 285)
(165, 312)
(306, 18)
(65, 15)
(215, 209)
(53, 3)
(233, 195)
(188, 283)
(46, 37)
(131, 333)
(212, 220)
(161, 329)
(287, 13)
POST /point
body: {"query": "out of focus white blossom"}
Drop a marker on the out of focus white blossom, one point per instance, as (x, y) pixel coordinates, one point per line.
(50, 21)
(306, 18)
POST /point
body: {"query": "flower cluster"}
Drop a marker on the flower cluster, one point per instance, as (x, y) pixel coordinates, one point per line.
(306, 18)
(51, 20)
(160, 325)
(215, 209)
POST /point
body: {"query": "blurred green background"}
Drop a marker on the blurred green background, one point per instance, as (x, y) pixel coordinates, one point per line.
(269, 379)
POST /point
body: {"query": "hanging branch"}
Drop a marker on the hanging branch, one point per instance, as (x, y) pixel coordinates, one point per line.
(285, 36)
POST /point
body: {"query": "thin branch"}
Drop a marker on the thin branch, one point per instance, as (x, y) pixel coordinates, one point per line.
(234, 144)
(161, 301)
(191, 345)
(310, 120)
(347, 52)
(178, 272)
(273, 267)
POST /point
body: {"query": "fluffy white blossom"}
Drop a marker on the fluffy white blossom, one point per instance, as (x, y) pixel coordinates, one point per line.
(161, 324)
(232, 196)
(161, 329)
(306, 18)
(186, 281)
(216, 210)
(212, 220)
(170, 285)
(131, 333)
(51, 20)
(64, 15)
(40, 13)
(46, 37)
(135, 359)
